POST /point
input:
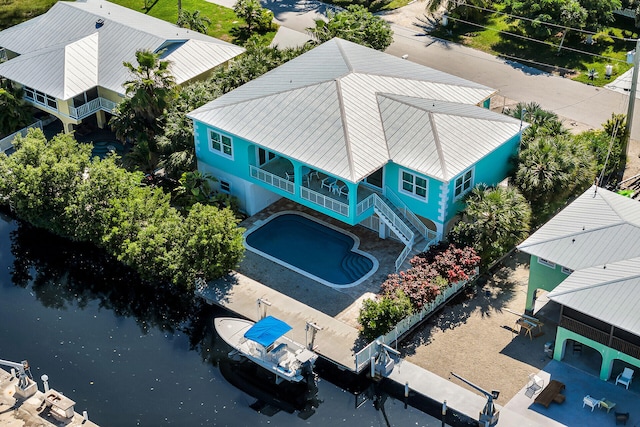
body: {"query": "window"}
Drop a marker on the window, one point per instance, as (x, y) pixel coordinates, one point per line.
(221, 143)
(225, 187)
(566, 270)
(547, 263)
(264, 156)
(463, 184)
(414, 185)
(40, 97)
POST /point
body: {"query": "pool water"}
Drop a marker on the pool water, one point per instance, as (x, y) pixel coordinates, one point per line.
(314, 249)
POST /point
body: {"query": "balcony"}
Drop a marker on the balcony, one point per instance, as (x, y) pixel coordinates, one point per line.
(280, 173)
(600, 336)
(91, 107)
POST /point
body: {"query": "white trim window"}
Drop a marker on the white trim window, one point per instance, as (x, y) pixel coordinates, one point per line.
(546, 262)
(413, 184)
(463, 184)
(40, 97)
(567, 271)
(220, 143)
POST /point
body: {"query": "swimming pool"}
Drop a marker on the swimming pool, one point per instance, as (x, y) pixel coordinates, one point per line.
(312, 248)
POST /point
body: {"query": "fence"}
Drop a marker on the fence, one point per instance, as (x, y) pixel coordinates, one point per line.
(6, 143)
(364, 356)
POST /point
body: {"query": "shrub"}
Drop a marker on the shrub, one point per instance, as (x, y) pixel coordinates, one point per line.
(379, 316)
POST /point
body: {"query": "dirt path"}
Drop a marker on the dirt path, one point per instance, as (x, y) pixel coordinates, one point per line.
(474, 338)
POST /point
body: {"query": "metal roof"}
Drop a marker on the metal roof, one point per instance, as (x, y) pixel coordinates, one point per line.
(597, 236)
(66, 51)
(348, 110)
(607, 292)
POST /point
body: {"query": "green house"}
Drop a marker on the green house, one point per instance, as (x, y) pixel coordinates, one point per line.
(588, 257)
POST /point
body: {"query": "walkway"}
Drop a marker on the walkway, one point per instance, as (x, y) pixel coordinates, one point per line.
(239, 294)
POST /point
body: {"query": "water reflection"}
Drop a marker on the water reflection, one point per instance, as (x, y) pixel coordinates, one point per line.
(133, 353)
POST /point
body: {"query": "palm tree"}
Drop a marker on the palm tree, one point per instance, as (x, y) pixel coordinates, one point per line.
(14, 112)
(494, 220)
(151, 90)
(193, 21)
(552, 168)
(542, 122)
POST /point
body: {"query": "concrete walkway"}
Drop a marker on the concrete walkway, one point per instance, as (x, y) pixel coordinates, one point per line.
(337, 341)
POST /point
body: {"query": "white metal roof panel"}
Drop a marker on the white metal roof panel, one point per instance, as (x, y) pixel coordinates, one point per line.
(80, 66)
(607, 292)
(122, 33)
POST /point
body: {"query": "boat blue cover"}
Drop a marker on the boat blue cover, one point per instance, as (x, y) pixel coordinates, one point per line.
(267, 330)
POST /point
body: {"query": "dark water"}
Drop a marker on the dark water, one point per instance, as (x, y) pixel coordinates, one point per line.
(134, 358)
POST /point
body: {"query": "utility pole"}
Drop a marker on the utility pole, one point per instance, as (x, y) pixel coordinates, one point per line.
(632, 97)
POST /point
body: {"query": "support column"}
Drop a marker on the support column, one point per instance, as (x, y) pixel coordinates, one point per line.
(382, 232)
(68, 127)
(101, 118)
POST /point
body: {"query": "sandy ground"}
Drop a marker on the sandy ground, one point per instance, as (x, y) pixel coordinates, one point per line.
(475, 338)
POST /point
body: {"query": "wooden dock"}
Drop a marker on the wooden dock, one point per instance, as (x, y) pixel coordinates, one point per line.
(336, 341)
(33, 411)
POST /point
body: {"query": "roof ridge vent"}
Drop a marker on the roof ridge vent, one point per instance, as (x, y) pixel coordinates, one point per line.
(99, 23)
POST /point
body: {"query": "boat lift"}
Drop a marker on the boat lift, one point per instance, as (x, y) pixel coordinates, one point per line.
(489, 416)
(26, 386)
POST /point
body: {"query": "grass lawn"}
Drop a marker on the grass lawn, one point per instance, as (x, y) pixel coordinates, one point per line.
(569, 62)
(223, 20)
(13, 12)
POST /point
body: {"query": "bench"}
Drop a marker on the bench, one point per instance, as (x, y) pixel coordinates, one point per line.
(551, 393)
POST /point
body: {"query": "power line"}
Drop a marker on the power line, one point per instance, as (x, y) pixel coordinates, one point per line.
(550, 24)
(550, 44)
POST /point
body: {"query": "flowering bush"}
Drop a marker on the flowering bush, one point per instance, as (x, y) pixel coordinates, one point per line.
(431, 272)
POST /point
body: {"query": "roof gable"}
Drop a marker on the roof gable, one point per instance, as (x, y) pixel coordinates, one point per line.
(65, 50)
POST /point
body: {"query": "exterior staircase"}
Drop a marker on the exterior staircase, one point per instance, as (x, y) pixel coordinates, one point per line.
(415, 235)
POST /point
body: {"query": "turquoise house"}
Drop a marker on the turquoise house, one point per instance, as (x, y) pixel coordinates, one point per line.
(588, 257)
(358, 135)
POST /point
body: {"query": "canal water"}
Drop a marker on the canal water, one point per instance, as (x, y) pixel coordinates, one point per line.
(133, 357)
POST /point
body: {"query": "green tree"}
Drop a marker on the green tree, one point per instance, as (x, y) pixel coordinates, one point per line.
(14, 112)
(542, 122)
(40, 178)
(493, 222)
(140, 117)
(355, 24)
(57, 186)
(193, 21)
(255, 16)
(552, 168)
(379, 316)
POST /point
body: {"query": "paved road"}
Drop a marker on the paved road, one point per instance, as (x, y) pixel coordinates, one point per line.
(575, 101)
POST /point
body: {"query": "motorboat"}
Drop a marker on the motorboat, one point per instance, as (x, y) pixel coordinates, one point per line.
(264, 343)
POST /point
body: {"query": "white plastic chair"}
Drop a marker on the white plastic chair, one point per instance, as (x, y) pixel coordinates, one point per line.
(590, 402)
(625, 377)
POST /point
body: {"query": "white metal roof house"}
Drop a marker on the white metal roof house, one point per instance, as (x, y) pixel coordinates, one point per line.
(588, 257)
(69, 60)
(359, 135)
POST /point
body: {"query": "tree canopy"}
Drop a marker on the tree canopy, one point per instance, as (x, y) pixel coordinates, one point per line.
(14, 112)
(494, 220)
(57, 186)
(355, 24)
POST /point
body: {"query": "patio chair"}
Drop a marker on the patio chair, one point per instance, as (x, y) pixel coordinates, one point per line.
(625, 377)
(591, 402)
(534, 386)
(328, 182)
(622, 418)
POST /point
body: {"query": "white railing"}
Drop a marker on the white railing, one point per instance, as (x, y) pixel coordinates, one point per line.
(364, 205)
(408, 214)
(6, 143)
(271, 179)
(363, 357)
(384, 211)
(403, 255)
(325, 201)
(91, 107)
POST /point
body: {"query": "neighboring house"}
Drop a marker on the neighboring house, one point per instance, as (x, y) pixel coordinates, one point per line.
(588, 256)
(358, 135)
(69, 60)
